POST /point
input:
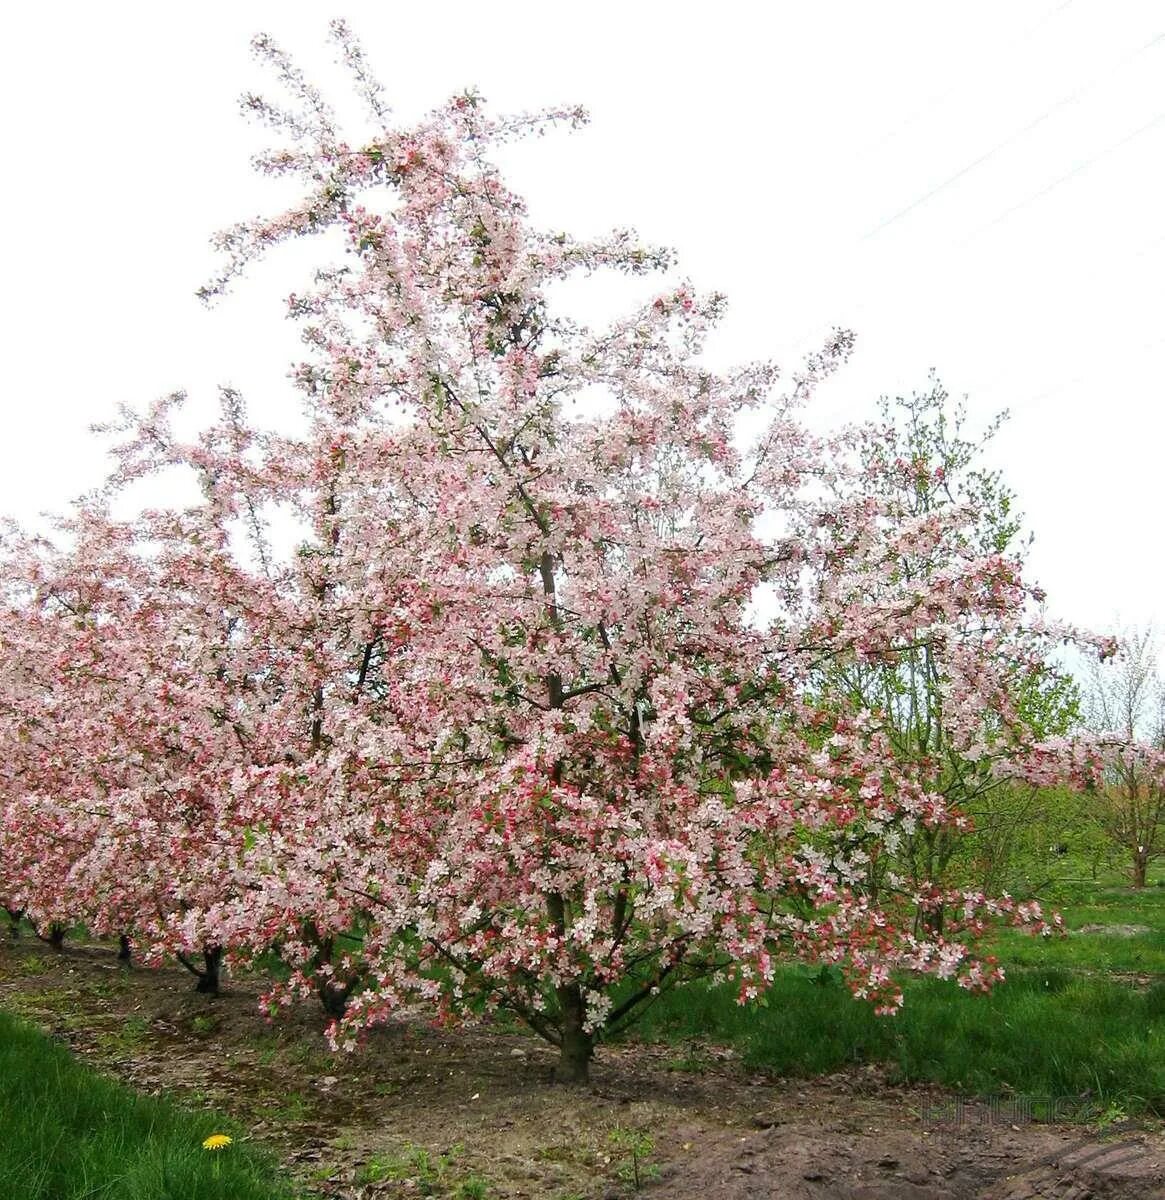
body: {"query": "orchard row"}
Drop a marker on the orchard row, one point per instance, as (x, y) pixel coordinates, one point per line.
(539, 667)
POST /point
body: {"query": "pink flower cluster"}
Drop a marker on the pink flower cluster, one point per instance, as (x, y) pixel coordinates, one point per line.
(505, 728)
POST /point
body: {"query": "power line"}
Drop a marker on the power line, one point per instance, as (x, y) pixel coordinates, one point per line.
(1068, 382)
(806, 338)
(1071, 98)
(937, 101)
(1076, 170)
(1139, 251)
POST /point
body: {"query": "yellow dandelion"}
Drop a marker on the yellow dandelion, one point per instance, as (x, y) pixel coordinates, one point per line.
(217, 1141)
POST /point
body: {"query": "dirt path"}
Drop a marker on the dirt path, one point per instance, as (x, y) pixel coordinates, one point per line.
(429, 1112)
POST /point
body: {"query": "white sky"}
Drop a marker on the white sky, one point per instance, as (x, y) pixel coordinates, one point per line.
(977, 188)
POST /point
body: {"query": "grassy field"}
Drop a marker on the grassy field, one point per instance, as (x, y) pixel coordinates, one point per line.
(1111, 930)
(1079, 1015)
(69, 1133)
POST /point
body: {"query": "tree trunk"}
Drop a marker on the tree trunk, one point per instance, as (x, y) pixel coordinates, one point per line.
(208, 977)
(209, 973)
(56, 936)
(934, 920)
(14, 916)
(124, 951)
(333, 993)
(334, 998)
(1140, 869)
(578, 1046)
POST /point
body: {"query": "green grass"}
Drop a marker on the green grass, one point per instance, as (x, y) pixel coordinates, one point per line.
(1060, 1026)
(72, 1134)
(1099, 951)
(1086, 953)
(1043, 1033)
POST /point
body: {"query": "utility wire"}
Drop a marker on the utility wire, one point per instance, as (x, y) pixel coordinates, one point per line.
(1014, 137)
(1056, 388)
(1076, 170)
(803, 341)
(819, 335)
(937, 101)
(998, 382)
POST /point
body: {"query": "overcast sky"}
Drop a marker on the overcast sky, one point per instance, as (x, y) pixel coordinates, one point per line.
(973, 188)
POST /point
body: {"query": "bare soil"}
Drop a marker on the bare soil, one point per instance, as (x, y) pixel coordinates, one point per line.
(426, 1111)
(1125, 931)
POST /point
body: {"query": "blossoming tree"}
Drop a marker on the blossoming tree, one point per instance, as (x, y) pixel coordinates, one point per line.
(120, 811)
(532, 711)
(1127, 714)
(1009, 697)
(580, 762)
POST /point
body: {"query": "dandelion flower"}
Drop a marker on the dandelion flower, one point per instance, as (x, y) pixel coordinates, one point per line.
(217, 1141)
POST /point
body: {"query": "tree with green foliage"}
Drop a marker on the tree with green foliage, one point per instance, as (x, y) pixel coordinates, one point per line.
(1126, 704)
(920, 462)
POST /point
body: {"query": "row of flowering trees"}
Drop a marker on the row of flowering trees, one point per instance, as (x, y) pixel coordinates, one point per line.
(515, 679)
